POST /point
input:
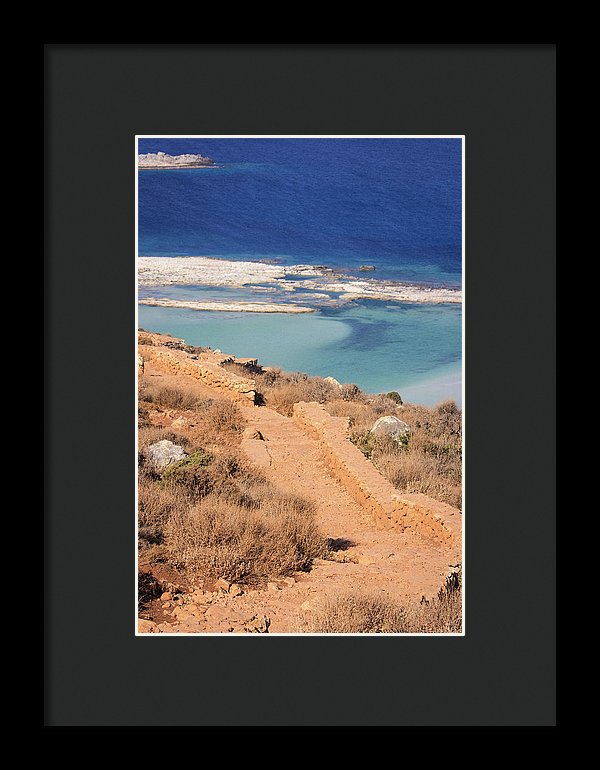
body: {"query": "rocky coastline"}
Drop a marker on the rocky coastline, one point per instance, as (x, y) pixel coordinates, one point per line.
(164, 160)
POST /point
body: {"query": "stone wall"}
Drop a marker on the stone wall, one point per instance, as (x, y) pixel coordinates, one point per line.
(430, 519)
(203, 367)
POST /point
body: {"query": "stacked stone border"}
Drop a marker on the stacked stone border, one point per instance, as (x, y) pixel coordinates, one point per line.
(205, 367)
(428, 518)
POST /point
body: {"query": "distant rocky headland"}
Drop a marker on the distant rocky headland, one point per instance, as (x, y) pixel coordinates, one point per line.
(163, 160)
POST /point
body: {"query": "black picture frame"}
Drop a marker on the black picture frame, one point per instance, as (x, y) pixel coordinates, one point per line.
(503, 99)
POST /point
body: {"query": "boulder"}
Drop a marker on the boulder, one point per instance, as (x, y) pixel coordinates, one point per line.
(390, 426)
(222, 584)
(180, 422)
(259, 624)
(253, 433)
(146, 626)
(165, 453)
(333, 381)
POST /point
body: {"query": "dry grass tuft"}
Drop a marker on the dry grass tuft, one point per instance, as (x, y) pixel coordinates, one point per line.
(360, 415)
(221, 416)
(352, 613)
(150, 434)
(167, 397)
(214, 419)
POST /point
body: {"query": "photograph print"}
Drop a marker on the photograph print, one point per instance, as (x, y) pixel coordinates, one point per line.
(299, 327)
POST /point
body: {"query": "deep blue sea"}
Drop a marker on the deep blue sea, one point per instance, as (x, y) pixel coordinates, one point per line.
(391, 203)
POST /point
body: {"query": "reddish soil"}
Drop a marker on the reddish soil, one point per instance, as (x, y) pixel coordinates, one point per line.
(400, 566)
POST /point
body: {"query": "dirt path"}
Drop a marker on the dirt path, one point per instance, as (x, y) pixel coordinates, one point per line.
(400, 566)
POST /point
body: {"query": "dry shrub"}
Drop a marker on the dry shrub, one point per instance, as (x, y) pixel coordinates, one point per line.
(351, 613)
(156, 503)
(219, 516)
(443, 421)
(202, 473)
(443, 614)
(280, 390)
(143, 417)
(221, 416)
(371, 614)
(234, 480)
(282, 397)
(385, 403)
(351, 392)
(218, 538)
(360, 415)
(418, 472)
(149, 588)
(150, 434)
(144, 337)
(168, 397)
(218, 415)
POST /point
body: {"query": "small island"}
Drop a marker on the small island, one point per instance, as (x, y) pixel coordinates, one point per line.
(163, 160)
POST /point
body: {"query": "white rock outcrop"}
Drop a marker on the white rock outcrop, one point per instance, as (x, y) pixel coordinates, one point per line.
(164, 453)
(390, 426)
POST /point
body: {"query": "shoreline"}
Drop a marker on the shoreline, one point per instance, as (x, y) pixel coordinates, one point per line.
(435, 388)
(315, 344)
(439, 385)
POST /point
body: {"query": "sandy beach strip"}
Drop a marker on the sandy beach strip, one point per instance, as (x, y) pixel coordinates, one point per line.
(232, 307)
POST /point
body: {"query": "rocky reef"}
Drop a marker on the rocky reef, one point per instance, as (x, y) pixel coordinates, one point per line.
(319, 281)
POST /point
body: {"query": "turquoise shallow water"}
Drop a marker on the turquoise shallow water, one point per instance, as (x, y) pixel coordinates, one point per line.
(377, 345)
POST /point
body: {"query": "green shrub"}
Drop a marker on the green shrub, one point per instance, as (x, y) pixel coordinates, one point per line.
(192, 473)
(394, 396)
(365, 442)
